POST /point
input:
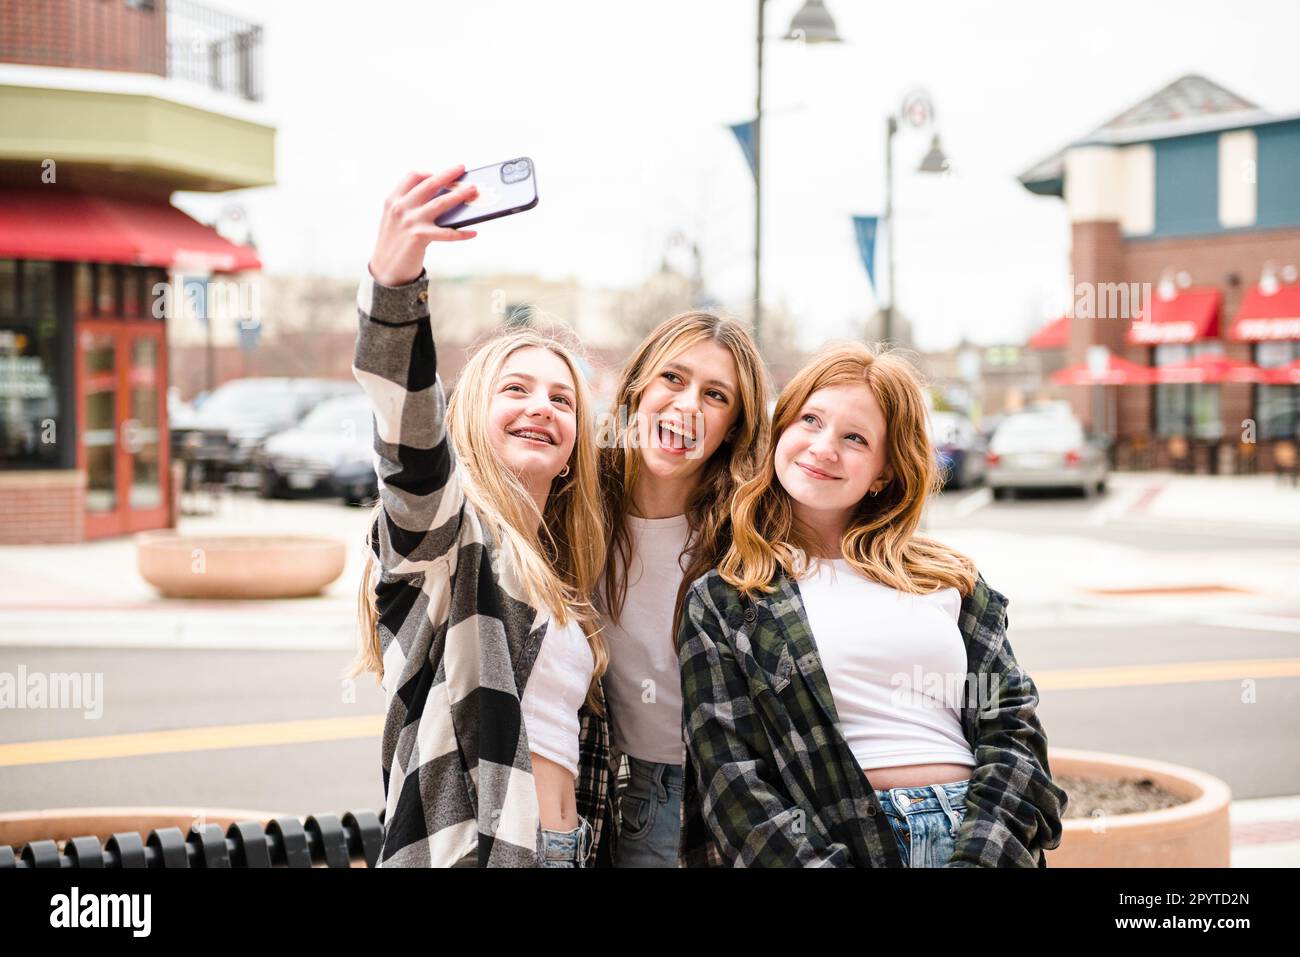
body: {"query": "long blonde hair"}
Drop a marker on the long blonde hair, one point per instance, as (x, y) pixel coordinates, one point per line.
(881, 540)
(558, 565)
(735, 461)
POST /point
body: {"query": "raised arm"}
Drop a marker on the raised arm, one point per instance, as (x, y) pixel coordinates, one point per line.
(1013, 807)
(396, 364)
(750, 818)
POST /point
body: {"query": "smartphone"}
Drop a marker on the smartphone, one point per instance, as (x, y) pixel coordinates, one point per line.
(503, 189)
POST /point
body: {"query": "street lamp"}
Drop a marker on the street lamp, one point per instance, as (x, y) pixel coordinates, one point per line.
(918, 111)
(812, 24)
(935, 161)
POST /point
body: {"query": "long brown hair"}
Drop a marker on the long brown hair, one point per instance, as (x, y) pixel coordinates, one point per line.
(735, 461)
(557, 565)
(881, 540)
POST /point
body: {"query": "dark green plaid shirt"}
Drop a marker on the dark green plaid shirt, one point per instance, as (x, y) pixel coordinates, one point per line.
(770, 779)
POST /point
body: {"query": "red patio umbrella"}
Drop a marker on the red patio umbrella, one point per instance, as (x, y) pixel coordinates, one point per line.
(1209, 369)
(1117, 372)
(1288, 374)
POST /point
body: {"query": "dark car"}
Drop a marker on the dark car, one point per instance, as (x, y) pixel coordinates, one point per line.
(958, 447)
(356, 481)
(337, 434)
(218, 441)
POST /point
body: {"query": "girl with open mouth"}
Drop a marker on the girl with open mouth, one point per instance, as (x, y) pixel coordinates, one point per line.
(693, 398)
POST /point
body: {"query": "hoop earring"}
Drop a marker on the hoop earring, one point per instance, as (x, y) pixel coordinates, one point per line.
(564, 472)
(875, 492)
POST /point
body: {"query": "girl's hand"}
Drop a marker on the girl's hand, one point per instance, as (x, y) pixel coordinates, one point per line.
(407, 225)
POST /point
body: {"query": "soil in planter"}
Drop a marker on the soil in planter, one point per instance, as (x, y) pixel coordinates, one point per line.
(1113, 796)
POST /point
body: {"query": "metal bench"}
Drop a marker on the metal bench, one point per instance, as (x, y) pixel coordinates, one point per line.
(322, 840)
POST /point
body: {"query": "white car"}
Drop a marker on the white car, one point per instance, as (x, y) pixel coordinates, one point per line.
(1044, 450)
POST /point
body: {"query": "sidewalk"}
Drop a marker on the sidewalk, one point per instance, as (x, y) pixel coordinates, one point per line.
(1266, 832)
(1216, 500)
(92, 593)
(1084, 578)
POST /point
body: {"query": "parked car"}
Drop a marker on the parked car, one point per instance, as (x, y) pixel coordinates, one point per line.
(1044, 450)
(356, 481)
(218, 440)
(959, 449)
(305, 458)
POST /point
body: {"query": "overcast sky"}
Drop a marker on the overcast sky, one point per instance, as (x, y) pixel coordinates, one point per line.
(624, 108)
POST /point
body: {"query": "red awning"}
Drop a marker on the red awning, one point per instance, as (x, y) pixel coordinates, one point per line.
(53, 223)
(1209, 368)
(1117, 372)
(1264, 317)
(1190, 316)
(1054, 335)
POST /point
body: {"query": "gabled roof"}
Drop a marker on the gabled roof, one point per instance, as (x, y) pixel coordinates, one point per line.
(1190, 104)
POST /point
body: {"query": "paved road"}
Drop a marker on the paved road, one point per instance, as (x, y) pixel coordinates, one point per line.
(1209, 683)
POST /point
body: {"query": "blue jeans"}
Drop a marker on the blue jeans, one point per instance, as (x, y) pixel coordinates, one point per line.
(649, 813)
(925, 820)
(568, 848)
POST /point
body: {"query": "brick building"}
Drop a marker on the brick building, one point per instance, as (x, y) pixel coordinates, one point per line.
(1185, 212)
(108, 106)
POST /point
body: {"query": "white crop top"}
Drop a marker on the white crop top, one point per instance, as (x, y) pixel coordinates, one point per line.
(896, 664)
(556, 689)
(644, 680)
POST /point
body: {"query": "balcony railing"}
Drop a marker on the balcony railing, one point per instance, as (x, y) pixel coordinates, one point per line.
(177, 39)
(215, 49)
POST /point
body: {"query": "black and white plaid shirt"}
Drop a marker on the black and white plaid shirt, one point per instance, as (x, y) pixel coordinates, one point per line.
(458, 637)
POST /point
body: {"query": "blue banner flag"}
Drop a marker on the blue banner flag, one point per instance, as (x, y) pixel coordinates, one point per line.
(865, 228)
(745, 137)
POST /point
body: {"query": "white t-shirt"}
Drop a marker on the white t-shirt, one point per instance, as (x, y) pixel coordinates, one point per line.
(556, 689)
(896, 664)
(644, 682)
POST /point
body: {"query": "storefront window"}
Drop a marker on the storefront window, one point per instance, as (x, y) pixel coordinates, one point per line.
(106, 301)
(1277, 407)
(131, 303)
(83, 289)
(155, 296)
(1192, 409)
(38, 298)
(8, 288)
(30, 428)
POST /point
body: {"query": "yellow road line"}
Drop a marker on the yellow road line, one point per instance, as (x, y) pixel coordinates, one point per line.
(212, 738)
(1178, 672)
(219, 737)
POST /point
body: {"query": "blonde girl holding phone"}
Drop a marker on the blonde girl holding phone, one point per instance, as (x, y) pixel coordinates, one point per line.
(482, 556)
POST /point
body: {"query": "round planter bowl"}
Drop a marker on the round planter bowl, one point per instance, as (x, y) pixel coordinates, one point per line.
(1193, 834)
(238, 566)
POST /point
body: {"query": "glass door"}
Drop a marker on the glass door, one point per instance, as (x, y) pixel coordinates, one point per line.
(99, 398)
(142, 432)
(124, 445)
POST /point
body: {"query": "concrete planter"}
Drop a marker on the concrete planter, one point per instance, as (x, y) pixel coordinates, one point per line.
(350, 842)
(61, 824)
(238, 566)
(1193, 834)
